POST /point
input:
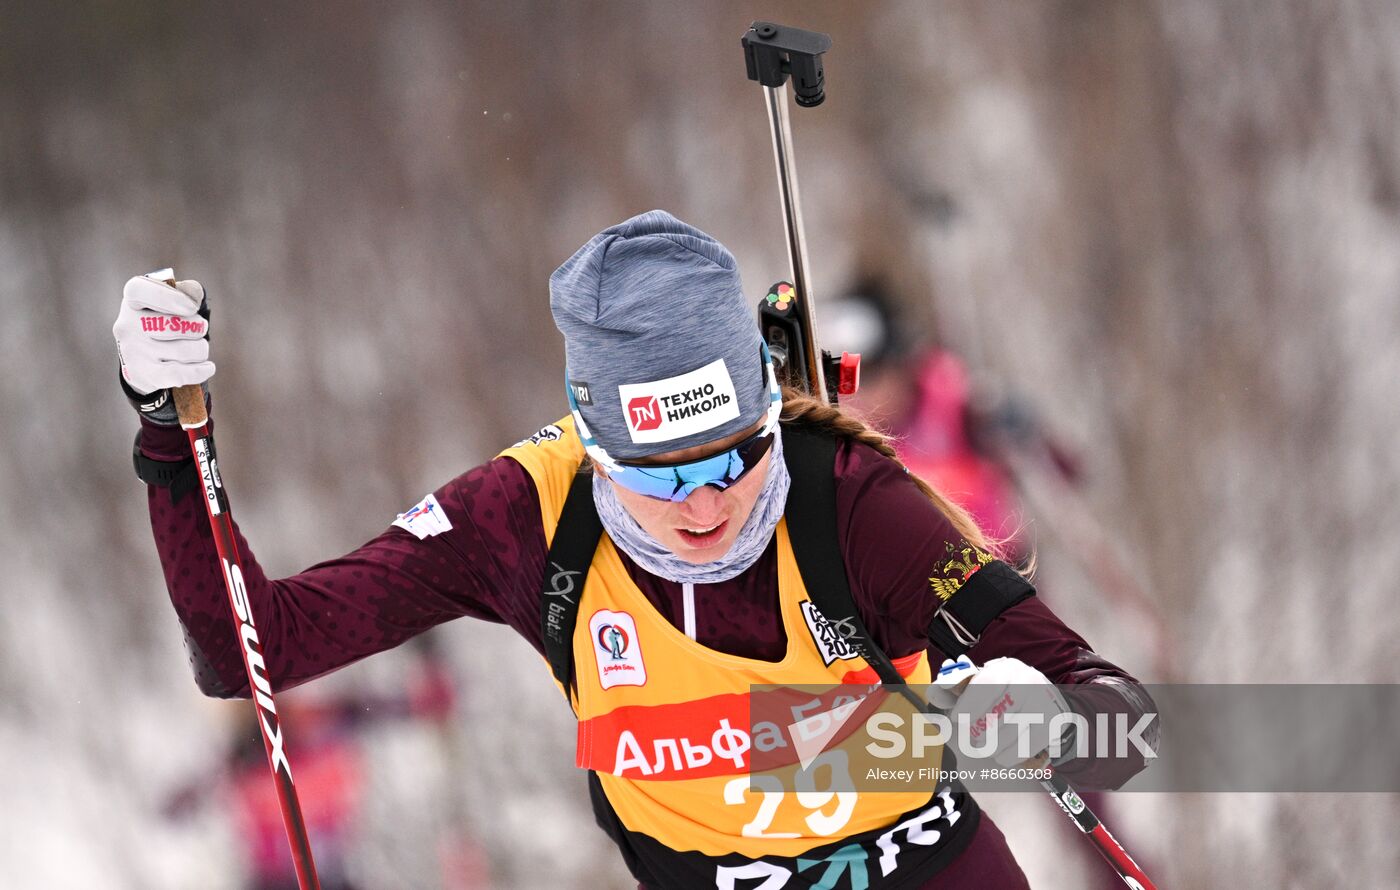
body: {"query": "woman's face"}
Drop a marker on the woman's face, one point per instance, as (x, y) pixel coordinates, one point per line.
(704, 526)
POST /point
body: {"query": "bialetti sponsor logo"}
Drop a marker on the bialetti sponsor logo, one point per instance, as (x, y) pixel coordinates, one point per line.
(172, 324)
(257, 668)
(679, 406)
(561, 585)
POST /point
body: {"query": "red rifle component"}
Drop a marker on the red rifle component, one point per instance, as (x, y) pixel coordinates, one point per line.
(848, 374)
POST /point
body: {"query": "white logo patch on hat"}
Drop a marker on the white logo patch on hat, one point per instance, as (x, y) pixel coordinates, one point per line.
(680, 406)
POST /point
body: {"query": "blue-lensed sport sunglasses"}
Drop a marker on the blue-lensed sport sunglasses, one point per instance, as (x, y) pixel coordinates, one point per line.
(675, 482)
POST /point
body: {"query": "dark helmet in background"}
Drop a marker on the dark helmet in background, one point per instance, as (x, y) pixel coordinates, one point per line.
(866, 319)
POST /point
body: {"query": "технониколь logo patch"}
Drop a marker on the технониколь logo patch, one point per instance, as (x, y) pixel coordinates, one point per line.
(680, 406)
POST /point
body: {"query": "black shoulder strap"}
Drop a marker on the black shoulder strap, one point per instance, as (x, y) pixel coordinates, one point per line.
(566, 570)
(811, 520)
(811, 517)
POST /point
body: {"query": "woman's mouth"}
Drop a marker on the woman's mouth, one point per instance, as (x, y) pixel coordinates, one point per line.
(700, 538)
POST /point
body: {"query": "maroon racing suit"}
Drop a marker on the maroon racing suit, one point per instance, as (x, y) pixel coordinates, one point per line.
(490, 565)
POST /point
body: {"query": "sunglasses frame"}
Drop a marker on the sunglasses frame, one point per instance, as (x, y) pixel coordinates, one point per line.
(617, 470)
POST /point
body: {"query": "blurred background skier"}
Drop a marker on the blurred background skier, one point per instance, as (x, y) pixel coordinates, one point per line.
(957, 435)
(333, 774)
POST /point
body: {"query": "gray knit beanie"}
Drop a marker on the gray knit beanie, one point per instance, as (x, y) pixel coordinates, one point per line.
(663, 350)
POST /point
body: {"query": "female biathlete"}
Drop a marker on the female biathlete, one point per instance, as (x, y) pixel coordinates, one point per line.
(685, 454)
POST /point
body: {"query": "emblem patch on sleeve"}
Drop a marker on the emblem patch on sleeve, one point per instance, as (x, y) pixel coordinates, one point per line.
(616, 649)
(952, 572)
(426, 519)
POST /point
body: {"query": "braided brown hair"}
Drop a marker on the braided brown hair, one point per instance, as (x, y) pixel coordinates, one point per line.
(800, 408)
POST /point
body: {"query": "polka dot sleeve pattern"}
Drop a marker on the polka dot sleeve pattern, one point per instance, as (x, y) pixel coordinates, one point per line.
(395, 586)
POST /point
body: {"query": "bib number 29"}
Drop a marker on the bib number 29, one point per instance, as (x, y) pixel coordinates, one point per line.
(809, 797)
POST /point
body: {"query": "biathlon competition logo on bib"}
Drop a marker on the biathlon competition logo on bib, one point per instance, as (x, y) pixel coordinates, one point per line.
(616, 649)
(829, 636)
(680, 406)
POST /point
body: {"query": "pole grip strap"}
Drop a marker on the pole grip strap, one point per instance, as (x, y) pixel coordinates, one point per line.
(177, 475)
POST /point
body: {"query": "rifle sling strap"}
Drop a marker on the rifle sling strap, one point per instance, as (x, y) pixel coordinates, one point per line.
(566, 569)
(811, 519)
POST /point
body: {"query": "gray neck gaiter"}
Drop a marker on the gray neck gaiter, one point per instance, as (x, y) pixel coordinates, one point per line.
(653, 556)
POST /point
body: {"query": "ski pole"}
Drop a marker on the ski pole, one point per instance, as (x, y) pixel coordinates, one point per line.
(954, 679)
(1107, 845)
(1078, 811)
(189, 404)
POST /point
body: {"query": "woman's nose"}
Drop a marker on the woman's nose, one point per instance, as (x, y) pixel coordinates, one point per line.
(703, 505)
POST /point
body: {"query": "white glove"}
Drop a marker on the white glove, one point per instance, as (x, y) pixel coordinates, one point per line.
(162, 341)
(1002, 686)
